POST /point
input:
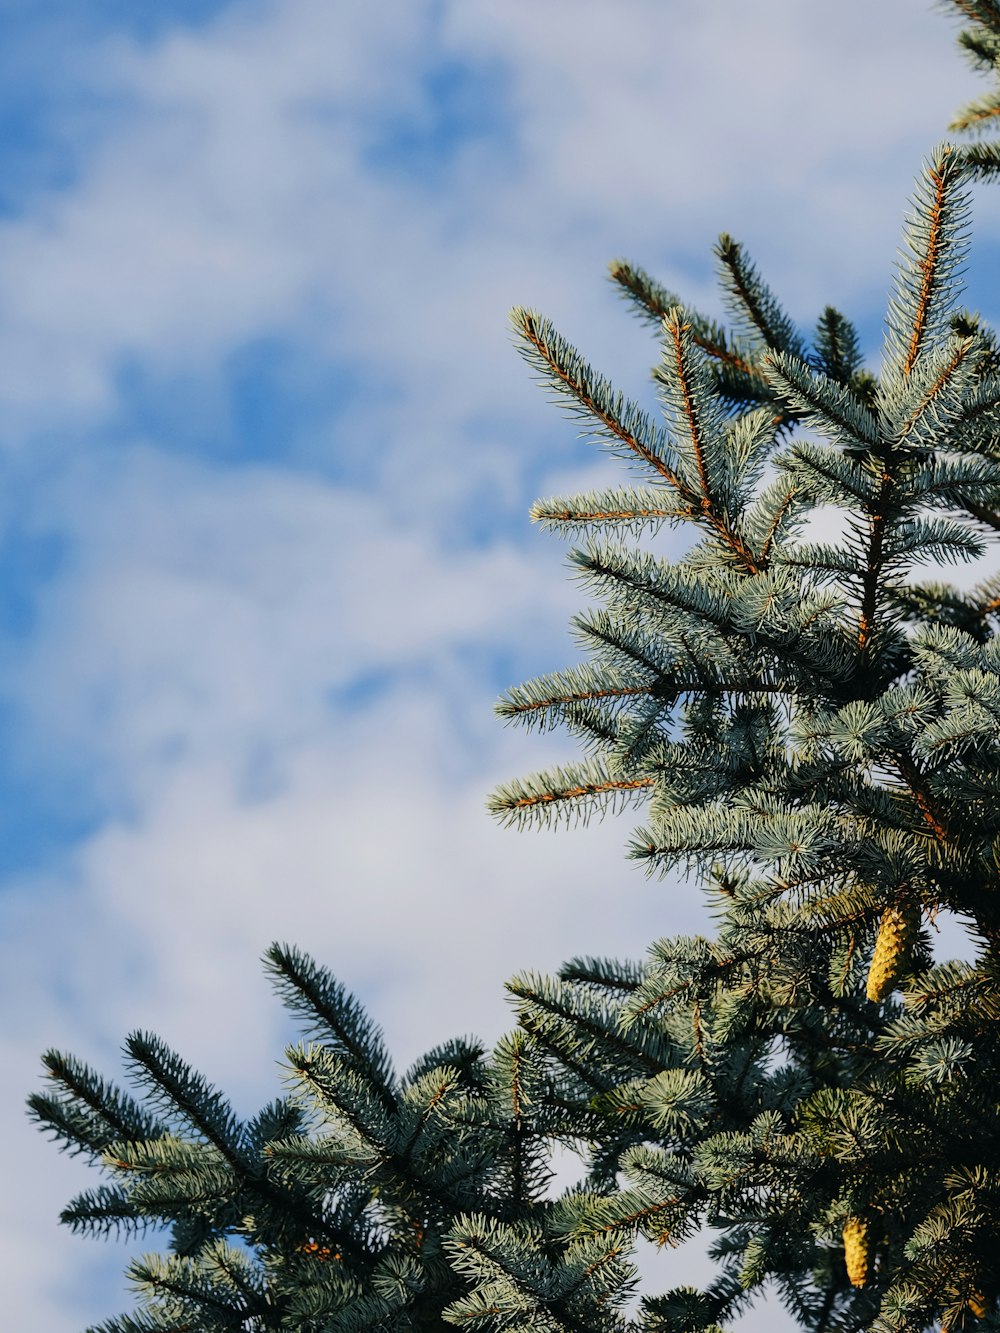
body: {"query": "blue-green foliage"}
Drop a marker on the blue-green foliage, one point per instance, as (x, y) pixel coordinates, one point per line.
(751, 689)
(812, 728)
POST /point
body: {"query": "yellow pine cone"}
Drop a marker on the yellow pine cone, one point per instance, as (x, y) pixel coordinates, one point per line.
(857, 1250)
(896, 935)
(979, 1305)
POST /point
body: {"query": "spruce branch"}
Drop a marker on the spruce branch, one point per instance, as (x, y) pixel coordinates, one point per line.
(179, 1091)
(650, 300)
(751, 300)
(565, 793)
(823, 402)
(91, 1113)
(983, 12)
(591, 398)
(838, 347)
(330, 1014)
(622, 510)
(934, 248)
(980, 115)
(654, 303)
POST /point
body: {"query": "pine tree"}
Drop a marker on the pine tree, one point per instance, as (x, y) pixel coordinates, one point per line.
(813, 731)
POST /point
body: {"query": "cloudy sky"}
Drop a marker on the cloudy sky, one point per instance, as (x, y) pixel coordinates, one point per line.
(266, 459)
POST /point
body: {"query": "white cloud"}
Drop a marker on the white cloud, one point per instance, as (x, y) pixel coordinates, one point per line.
(236, 195)
(188, 662)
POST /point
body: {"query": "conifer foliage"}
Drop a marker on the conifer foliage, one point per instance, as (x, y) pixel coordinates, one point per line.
(810, 723)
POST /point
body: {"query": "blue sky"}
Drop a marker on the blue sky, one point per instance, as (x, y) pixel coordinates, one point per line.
(265, 463)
